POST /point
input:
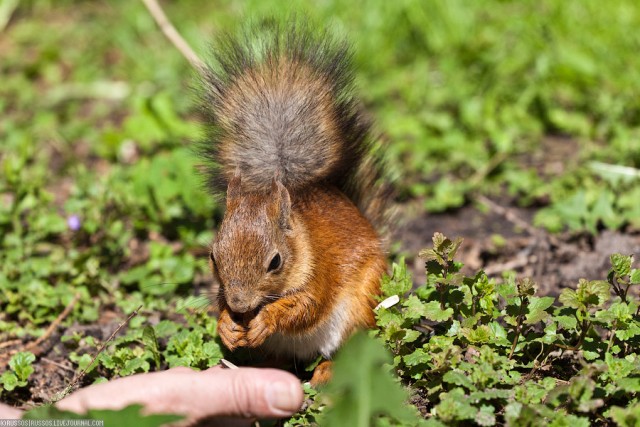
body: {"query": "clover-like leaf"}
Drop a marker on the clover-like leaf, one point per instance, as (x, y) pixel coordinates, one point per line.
(9, 380)
(20, 363)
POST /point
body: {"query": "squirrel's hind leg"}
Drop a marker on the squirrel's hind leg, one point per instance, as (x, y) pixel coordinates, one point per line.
(322, 373)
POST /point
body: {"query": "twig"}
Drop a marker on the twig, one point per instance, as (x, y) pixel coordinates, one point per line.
(52, 327)
(10, 343)
(102, 347)
(59, 365)
(172, 34)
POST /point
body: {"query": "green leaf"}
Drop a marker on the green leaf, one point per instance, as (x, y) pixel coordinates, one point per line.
(588, 294)
(454, 406)
(526, 287)
(129, 416)
(212, 352)
(444, 250)
(621, 264)
(486, 416)
(566, 322)
(151, 344)
(569, 297)
(432, 311)
(537, 307)
(626, 417)
(361, 389)
(594, 293)
(414, 308)
(400, 281)
(9, 380)
(634, 276)
(411, 335)
(134, 366)
(418, 357)
(479, 334)
(20, 363)
(460, 378)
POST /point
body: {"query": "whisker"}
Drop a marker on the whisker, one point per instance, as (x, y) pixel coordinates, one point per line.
(199, 304)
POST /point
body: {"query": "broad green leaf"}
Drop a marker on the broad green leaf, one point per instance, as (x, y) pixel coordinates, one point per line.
(628, 416)
(460, 378)
(566, 322)
(454, 406)
(414, 308)
(537, 307)
(418, 357)
(129, 416)
(569, 297)
(361, 388)
(593, 293)
(432, 311)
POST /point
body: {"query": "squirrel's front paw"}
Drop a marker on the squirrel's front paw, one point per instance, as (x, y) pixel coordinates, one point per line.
(231, 334)
(260, 327)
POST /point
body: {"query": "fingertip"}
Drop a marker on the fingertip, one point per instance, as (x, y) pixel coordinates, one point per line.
(267, 392)
(284, 397)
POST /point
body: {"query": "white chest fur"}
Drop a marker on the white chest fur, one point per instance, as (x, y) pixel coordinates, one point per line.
(324, 339)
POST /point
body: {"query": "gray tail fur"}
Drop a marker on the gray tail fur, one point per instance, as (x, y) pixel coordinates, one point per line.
(279, 103)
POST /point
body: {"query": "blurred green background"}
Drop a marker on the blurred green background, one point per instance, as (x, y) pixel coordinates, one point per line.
(536, 103)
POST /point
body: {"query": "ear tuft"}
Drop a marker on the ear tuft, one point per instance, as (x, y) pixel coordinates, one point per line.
(283, 203)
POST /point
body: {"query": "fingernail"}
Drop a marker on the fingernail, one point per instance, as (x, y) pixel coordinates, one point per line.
(283, 396)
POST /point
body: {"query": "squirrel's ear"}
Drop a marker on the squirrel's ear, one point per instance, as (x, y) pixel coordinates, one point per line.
(234, 188)
(283, 201)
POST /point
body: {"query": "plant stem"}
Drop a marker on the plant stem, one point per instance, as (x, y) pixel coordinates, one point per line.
(518, 326)
(612, 335)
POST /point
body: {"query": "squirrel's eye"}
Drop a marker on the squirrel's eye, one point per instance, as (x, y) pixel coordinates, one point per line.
(275, 263)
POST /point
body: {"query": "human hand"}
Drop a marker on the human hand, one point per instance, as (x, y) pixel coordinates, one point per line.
(229, 396)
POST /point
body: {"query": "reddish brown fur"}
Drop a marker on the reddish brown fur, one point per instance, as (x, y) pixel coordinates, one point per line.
(332, 254)
(296, 257)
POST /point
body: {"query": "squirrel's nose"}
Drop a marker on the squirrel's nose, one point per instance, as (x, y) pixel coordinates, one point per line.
(239, 305)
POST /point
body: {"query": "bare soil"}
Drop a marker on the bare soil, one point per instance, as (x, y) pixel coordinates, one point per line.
(502, 240)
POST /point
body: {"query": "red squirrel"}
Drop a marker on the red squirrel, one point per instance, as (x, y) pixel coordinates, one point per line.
(297, 258)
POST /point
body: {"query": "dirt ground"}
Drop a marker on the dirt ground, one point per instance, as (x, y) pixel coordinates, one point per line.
(553, 261)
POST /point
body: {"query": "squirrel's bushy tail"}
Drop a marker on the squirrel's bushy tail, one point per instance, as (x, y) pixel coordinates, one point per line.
(279, 102)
